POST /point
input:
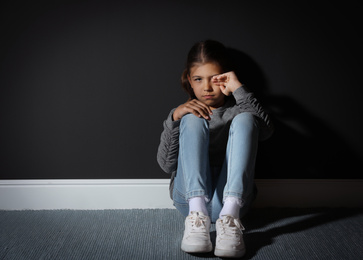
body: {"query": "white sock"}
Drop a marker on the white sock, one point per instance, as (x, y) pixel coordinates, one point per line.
(198, 204)
(231, 206)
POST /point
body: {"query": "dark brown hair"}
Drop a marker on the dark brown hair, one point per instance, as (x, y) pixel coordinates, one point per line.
(203, 52)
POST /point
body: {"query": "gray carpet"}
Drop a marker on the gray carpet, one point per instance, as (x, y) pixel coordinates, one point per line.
(156, 234)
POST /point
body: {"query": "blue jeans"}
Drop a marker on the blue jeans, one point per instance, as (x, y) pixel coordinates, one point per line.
(195, 176)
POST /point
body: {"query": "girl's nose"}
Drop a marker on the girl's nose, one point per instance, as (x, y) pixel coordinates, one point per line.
(208, 86)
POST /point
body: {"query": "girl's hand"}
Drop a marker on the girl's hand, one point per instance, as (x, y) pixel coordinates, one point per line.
(193, 106)
(228, 82)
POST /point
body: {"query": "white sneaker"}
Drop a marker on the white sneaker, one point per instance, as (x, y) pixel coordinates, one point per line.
(229, 242)
(196, 237)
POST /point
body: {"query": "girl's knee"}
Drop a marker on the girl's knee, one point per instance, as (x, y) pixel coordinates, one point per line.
(244, 117)
(246, 120)
(192, 121)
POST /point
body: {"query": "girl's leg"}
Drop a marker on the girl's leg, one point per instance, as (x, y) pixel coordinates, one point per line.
(236, 178)
(240, 158)
(192, 178)
(192, 184)
(239, 187)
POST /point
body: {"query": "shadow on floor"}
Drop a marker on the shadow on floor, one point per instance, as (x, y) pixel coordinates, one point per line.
(263, 226)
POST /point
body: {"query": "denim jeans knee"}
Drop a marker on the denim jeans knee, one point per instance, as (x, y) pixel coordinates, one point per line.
(245, 120)
(193, 122)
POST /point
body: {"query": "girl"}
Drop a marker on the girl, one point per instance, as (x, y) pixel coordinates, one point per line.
(209, 146)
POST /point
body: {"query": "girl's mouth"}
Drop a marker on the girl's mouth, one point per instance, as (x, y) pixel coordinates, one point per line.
(208, 96)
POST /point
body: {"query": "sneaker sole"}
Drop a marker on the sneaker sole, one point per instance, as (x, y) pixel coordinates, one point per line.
(229, 253)
(197, 248)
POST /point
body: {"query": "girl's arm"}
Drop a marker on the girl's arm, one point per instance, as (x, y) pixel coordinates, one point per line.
(194, 107)
(247, 102)
(229, 84)
(167, 155)
(168, 149)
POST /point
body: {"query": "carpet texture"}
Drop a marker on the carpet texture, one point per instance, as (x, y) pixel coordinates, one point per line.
(156, 234)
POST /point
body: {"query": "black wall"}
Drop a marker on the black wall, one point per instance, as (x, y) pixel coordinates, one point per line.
(85, 85)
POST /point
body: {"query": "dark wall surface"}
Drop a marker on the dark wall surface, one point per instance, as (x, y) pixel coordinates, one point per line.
(85, 85)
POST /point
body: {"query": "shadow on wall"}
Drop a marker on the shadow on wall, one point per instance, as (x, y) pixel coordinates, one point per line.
(302, 147)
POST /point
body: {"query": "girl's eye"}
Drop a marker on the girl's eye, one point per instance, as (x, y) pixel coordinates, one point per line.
(198, 79)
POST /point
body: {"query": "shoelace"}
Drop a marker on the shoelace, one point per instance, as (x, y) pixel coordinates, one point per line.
(197, 223)
(231, 227)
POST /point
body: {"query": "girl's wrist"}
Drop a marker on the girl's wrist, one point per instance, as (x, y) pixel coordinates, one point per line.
(236, 85)
(175, 116)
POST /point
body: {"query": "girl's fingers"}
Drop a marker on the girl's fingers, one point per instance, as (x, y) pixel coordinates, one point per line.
(201, 105)
(216, 78)
(220, 79)
(199, 109)
(206, 108)
(194, 107)
(224, 90)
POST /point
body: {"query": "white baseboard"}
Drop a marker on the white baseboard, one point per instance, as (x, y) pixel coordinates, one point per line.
(154, 193)
(84, 194)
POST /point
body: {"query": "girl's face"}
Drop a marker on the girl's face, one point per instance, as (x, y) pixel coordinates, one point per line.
(200, 80)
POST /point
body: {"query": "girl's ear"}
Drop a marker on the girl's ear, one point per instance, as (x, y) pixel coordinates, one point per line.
(190, 81)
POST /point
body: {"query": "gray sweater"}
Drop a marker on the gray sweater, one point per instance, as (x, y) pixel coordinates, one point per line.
(221, 119)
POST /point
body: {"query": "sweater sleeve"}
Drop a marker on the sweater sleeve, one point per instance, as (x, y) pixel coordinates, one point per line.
(168, 150)
(247, 102)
